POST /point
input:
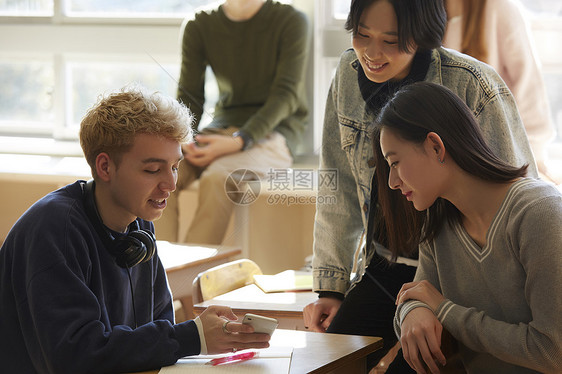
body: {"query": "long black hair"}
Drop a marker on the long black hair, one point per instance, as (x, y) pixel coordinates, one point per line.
(413, 112)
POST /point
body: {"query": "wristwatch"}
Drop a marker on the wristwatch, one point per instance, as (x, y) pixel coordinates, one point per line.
(247, 140)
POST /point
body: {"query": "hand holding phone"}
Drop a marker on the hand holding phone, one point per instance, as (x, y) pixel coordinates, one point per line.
(261, 324)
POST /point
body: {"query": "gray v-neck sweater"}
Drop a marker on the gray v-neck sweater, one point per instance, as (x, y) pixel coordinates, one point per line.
(503, 301)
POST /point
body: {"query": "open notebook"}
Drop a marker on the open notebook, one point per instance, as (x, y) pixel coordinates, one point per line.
(288, 280)
(273, 360)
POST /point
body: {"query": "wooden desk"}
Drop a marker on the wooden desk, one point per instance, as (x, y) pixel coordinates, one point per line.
(286, 307)
(321, 353)
(318, 353)
(184, 262)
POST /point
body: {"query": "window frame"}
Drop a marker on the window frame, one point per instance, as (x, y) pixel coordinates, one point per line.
(69, 39)
(66, 38)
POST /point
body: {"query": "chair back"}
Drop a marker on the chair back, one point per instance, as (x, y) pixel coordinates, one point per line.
(224, 278)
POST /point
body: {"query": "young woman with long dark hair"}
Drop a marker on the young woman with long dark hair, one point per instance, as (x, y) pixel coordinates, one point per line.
(490, 240)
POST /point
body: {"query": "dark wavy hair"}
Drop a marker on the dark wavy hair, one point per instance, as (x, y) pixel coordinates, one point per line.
(421, 23)
(414, 111)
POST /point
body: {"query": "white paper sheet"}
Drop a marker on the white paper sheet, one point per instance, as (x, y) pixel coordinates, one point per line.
(274, 360)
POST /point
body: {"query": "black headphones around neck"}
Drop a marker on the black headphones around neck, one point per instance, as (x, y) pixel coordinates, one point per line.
(136, 247)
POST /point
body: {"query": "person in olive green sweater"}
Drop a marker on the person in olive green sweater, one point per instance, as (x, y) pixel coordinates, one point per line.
(258, 51)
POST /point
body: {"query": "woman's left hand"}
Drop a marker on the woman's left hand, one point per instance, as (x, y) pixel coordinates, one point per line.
(421, 341)
(422, 291)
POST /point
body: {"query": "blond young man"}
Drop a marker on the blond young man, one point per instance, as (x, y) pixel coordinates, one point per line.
(81, 286)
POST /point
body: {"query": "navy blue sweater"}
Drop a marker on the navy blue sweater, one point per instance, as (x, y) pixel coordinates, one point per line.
(66, 306)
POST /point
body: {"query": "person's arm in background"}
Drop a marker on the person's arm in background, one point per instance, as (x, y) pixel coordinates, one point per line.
(519, 67)
(191, 86)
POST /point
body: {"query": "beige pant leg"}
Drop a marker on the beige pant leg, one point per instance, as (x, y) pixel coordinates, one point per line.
(213, 213)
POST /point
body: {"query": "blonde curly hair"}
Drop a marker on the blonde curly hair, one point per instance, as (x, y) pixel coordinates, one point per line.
(111, 124)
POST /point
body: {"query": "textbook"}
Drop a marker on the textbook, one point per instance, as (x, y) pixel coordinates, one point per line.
(288, 280)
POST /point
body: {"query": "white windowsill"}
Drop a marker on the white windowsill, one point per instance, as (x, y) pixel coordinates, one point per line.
(40, 146)
(37, 168)
(44, 159)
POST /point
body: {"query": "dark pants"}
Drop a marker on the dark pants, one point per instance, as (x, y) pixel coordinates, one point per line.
(368, 309)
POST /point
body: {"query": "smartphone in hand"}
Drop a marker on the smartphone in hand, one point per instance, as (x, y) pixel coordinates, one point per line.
(261, 324)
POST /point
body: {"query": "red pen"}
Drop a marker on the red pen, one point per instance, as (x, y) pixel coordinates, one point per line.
(234, 358)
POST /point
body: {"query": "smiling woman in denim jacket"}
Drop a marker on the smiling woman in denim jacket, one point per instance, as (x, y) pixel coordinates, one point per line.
(395, 42)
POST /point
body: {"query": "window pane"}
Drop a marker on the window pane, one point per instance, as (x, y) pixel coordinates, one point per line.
(550, 7)
(27, 92)
(128, 8)
(26, 7)
(211, 98)
(553, 83)
(88, 80)
(341, 9)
